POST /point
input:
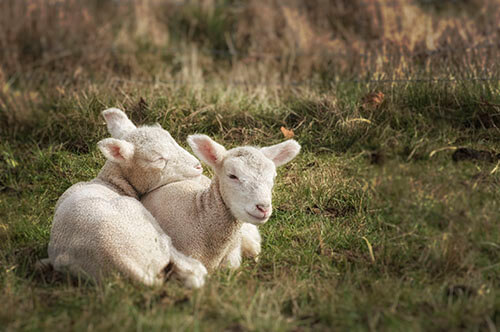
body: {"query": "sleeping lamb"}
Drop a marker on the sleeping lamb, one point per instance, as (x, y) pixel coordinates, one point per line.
(204, 220)
(100, 227)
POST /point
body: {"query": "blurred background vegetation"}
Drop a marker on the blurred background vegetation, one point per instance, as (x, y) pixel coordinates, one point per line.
(255, 41)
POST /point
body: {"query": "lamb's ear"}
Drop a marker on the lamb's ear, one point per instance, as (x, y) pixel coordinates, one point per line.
(118, 123)
(282, 153)
(116, 150)
(206, 149)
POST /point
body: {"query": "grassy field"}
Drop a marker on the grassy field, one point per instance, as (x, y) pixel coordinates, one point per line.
(389, 219)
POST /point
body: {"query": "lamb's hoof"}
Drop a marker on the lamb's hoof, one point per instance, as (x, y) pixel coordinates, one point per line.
(196, 279)
(192, 272)
(252, 250)
(195, 282)
(43, 265)
(234, 264)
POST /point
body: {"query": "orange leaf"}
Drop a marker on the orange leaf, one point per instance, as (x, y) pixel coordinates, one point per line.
(373, 99)
(288, 133)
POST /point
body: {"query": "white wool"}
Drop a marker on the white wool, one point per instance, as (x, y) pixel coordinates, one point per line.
(250, 240)
(117, 122)
(205, 219)
(100, 227)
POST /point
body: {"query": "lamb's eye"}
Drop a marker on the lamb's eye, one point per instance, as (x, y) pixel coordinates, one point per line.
(232, 176)
(159, 162)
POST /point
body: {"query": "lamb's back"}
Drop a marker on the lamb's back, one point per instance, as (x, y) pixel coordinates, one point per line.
(96, 228)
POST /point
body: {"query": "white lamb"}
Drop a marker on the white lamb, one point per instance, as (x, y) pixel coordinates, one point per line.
(100, 227)
(204, 220)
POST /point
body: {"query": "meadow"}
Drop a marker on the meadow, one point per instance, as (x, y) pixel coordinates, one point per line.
(389, 219)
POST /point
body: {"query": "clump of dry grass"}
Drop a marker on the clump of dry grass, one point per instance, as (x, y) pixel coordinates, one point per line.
(58, 35)
(363, 37)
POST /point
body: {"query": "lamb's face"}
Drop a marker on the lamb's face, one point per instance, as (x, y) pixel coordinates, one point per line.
(158, 159)
(245, 174)
(246, 179)
(148, 156)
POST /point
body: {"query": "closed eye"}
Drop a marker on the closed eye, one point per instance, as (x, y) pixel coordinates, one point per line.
(232, 176)
(159, 162)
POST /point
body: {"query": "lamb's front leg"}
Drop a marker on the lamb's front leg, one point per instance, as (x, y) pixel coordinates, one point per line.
(233, 257)
(191, 271)
(250, 241)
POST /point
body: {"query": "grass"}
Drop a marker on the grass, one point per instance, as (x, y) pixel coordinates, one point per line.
(375, 227)
(432, 223)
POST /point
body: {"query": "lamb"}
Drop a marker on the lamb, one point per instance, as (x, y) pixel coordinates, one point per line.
(205, 220)
(100, 227)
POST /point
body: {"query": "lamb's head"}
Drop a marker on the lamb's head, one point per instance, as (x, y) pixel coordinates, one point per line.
(245, 174)
(148, 156)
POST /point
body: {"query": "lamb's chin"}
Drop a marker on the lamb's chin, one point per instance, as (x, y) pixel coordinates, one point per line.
(239, 215)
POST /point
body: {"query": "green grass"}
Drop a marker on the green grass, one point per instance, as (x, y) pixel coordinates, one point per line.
(432, 223)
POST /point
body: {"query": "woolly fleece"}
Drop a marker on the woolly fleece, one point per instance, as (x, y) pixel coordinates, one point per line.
(101, 228)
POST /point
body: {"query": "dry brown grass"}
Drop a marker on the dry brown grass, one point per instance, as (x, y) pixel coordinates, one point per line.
(383, 38)
(48, 33)
(258, 41)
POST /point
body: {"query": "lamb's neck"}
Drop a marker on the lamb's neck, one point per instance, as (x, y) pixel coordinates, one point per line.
(222, 224)
(113, 175)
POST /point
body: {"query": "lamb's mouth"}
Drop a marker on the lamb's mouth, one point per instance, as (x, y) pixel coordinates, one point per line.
(259, 218)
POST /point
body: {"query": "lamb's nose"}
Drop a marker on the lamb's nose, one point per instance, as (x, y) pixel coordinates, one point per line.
(198, 167)
(264, 208)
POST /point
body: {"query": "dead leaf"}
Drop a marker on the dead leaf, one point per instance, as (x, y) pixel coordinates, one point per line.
(86, 15)
(60, 89)
(373, 100)
(77, 72)
(288, 133)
